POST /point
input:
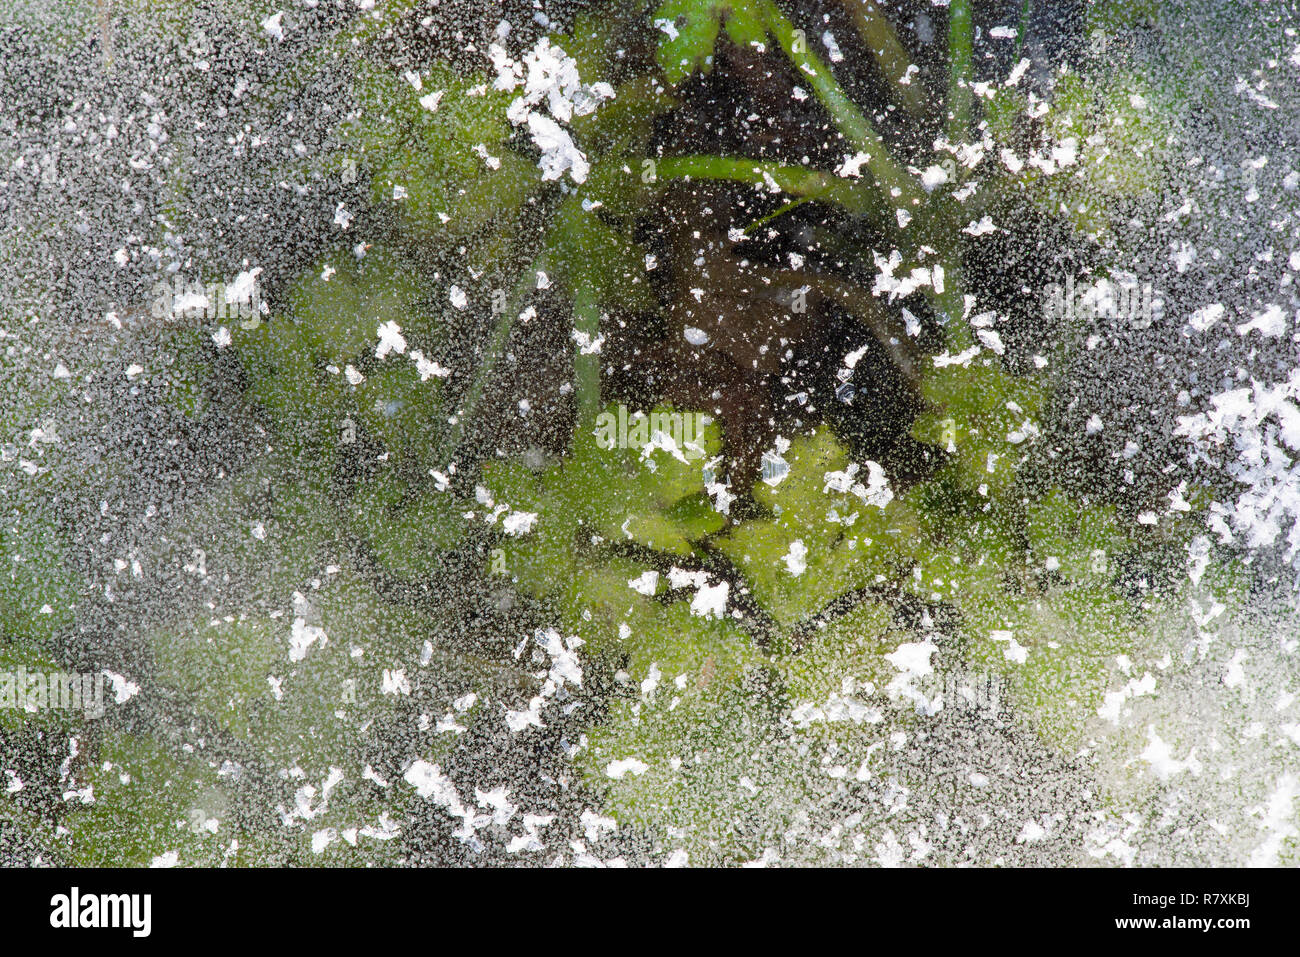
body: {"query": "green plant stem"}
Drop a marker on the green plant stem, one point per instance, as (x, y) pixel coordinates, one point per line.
(586, 367)
(941, 230)
(1024, 26)
(857, 129)
(776, 213)
(794, 180)
(496, 346)
(961, 69)
(951, 304)
(890, 54)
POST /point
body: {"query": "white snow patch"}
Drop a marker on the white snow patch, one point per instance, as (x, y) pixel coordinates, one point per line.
(619, 769)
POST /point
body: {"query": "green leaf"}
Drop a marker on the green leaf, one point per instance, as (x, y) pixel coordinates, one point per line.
(38, 594)
(590, 254)
(696, 743)
(298, 363)
(852, 645)
(149, 803)
(984, 417)
(1078, 542)
(434, 154)
(598, 500)
(1123, 130)
(696, 24)
(338, 316)
(848, 542)
(620, 495)
(408, 530)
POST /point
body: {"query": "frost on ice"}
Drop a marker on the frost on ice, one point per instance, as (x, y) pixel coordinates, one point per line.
(552, 94)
